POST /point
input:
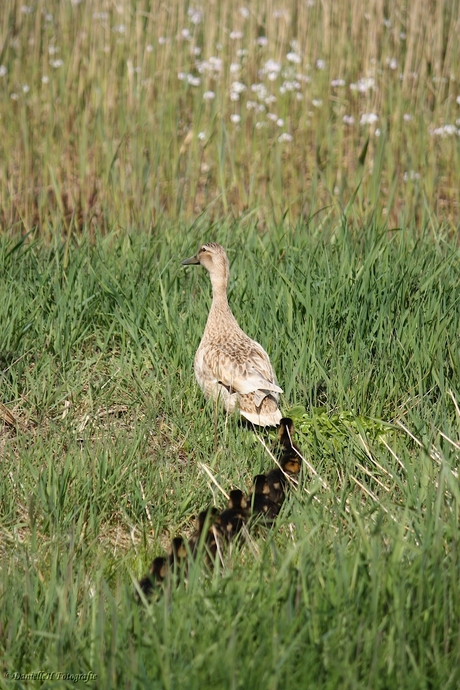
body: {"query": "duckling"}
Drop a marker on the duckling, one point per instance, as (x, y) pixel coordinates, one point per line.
(229, 366)
(157, 573)
(260, 485)
(261, 502)
(291, 465)
(204, 522)
(237, 500)
(285, 433)
(177, 551)
(231, 520)
(276, 482)
(286, 450)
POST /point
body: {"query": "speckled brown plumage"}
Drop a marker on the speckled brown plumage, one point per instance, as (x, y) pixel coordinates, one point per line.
(230, 366)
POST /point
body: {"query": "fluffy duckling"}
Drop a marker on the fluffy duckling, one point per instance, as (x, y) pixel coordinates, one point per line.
(261, 503)
(203, 530)
(276, 482)
(229, 366)
(286, 450)
(157, 572)
(231, 520)
(177, 551)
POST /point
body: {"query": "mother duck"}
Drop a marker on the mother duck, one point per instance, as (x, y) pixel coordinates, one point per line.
(229, 366)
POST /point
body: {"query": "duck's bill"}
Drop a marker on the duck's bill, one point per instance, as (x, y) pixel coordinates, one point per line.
(190, 262)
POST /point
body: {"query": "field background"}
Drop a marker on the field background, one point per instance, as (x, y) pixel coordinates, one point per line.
(319, 143)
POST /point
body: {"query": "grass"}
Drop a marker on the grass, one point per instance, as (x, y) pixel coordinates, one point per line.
(320, 145)
(136, 111)
(357, 585)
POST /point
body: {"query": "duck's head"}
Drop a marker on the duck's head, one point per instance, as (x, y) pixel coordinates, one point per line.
(237, 500)
(286, 429)
(213, 257)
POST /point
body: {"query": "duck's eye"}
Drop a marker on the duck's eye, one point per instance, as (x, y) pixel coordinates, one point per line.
(203, 249)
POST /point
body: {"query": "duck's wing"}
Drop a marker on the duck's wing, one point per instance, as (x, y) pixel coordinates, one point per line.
(243, 372)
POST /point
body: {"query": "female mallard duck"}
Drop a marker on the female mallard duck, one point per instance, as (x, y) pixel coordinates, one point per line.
(229, 365)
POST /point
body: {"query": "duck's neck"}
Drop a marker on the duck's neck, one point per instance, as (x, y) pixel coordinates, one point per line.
(219, 307)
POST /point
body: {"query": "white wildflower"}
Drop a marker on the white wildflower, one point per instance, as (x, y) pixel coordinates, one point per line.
(320, 64)
(272, 66)
(235, 35)
(411, 175)
(363, 85)
(209, 95)
(260, 90)
(293, 57)
(285, 136)
(235, 118)
(3, 70)
(195, 16)
(445, 131)
(348, 120)
(368, 119)
(193, 81)
(338, 82)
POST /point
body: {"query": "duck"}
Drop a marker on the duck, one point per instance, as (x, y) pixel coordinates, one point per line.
(177, 551)
(203, 529)
(229, 366)
(157, 572)
(276, 481)
(261, 503)
(286, 450)
(231, 521)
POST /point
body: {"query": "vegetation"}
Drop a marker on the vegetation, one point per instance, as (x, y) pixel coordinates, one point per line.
(344, 264)
(132, 111)
(357, 585)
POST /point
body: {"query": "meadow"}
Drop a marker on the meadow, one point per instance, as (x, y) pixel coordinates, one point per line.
(116, 162)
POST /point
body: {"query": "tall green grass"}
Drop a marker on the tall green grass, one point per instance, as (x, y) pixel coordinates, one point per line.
(356, 586)
(123, 114)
